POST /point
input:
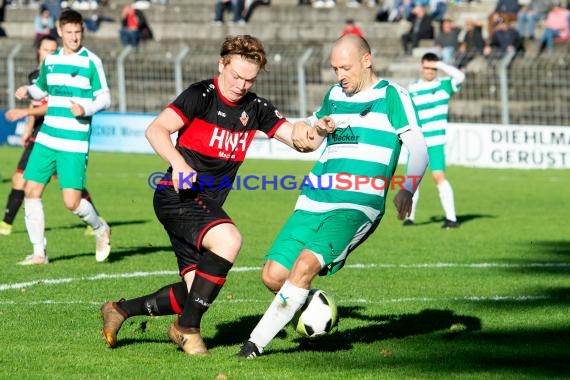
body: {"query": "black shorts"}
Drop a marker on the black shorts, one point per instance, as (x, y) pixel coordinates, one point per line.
(186, 217)
(27, 150)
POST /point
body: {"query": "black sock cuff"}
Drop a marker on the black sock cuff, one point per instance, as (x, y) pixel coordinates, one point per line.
(214, 265)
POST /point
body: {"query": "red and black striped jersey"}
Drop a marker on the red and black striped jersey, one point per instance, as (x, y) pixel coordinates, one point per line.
(217, 133)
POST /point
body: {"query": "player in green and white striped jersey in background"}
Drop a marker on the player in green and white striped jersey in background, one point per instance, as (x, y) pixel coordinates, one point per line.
(431, 96)
(74, 81)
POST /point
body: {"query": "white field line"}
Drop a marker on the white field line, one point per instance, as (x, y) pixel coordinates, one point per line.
(104, 276)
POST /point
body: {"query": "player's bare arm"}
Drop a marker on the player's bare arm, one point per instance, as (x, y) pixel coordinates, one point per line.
(417, 162)
(21, 93)
(158, 134)
(294, 137)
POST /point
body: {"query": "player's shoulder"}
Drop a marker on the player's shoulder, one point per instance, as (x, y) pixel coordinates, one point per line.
(89, 54)
(33, 76)
(394, 85)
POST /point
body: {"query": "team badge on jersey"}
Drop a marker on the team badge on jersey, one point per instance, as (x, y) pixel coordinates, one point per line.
(244, 118)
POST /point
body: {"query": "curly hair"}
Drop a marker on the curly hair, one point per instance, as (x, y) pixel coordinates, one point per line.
(246, 46)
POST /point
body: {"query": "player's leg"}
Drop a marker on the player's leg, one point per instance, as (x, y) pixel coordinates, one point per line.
(13, 203)
(72, 179)
(445, 191)
(87, 196)
(285, 249)
(40, 168)
(16, 196)
(202, 225)
(220, 247)
(336, 234)
(167, 300)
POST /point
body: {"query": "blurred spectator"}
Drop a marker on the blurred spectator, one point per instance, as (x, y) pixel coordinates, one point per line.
(323, 3)
(438, 9)
(44, 25)
(93, 22)
(235, 6)
(141, 4)
(134, 27)
(421, 29)
(250, 5)
(529, 15)
(447, 41)
(504, 39)
(54, 7)
(390, 11)
(556, 28)
(350, 27)
(2, 9)
(505, 9)
(472, 43)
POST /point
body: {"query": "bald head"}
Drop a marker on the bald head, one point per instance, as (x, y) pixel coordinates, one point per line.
(352, 62)
(352, 42)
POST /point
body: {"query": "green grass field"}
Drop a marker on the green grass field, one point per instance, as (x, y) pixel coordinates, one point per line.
(489, 300)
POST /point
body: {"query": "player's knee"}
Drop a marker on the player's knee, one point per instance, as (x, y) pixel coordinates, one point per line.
(18, 181)
(224, 239)
(71, 204)
(273, 277)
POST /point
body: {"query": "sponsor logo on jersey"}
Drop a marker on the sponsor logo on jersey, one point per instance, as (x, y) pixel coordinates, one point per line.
(222, 114)
(343, 136)
(278, 114)
(228, 142)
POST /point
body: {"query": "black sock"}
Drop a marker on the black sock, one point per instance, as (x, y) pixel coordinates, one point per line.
(210, 277)
(13, 205)
(165, 301)
(85, 195)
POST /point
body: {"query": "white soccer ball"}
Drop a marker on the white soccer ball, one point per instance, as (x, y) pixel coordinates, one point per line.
(318, 315)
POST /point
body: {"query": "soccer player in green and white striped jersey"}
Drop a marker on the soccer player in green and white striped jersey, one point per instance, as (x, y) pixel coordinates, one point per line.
(74, 81)
(431, 96)
(350, 181)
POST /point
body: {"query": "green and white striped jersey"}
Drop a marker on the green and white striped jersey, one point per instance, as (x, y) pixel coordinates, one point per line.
(432, 102)
(79, 78)
(360, 157)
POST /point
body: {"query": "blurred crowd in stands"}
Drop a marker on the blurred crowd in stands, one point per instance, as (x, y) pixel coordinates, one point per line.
(513, 25)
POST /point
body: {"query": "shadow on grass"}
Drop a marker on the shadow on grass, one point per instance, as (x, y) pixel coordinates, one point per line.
(465, 218)
(114, 223)
(443, 342)
(117, 254)
(382, 327)
(558, 247)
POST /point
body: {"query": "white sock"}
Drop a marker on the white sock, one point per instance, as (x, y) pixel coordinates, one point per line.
(447, 202)
(415, 200)
(86, 212)
(35, 224)
(287, 301)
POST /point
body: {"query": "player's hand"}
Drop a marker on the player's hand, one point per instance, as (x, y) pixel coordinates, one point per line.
(16, 114)
(77, 109)
(302, 136)
(183, 177)
(26, 138)
(403, 203)
(325, 125)
(21, 93)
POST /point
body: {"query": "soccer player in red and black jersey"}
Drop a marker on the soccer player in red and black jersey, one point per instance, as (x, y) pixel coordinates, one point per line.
(216, 121)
